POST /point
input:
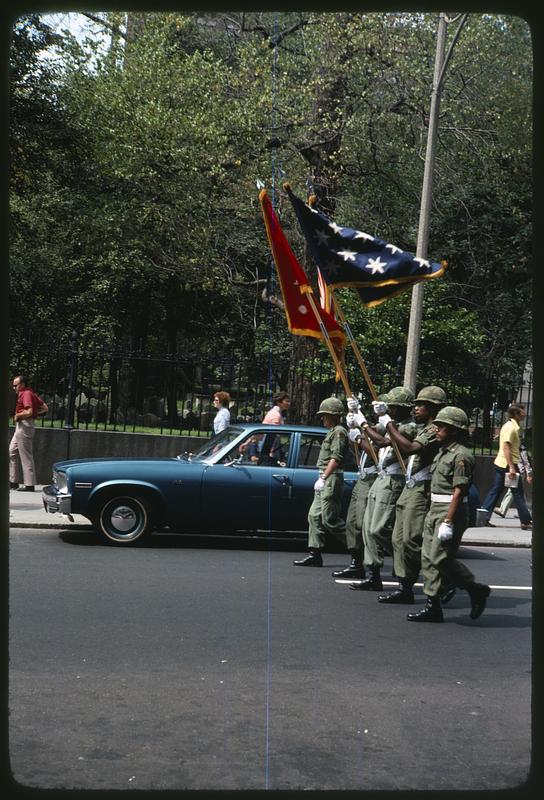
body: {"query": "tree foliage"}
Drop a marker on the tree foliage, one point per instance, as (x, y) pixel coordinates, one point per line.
(133, 197)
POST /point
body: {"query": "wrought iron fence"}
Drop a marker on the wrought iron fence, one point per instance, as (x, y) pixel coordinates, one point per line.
(92, 385)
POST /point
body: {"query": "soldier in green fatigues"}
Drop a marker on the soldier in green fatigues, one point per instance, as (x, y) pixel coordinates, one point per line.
(325, 514)
(379, 517)
(447, 519)
(415, 499)
(356, 510)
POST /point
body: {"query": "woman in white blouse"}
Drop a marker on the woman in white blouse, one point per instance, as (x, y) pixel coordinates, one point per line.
(222, 418)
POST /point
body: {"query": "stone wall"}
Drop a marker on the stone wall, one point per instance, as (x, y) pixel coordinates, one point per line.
(58, 444)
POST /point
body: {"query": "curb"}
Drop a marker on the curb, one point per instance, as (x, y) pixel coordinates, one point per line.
(72, 526)
(75, 526)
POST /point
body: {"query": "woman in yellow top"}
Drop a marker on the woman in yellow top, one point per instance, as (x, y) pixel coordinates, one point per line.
(507, 463)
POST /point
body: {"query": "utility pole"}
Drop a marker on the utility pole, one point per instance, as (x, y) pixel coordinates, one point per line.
(414, 329)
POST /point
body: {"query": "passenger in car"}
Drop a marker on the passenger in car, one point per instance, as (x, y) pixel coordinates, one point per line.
(251, 449)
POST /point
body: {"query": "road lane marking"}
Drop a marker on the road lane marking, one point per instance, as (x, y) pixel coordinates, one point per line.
(395, 583)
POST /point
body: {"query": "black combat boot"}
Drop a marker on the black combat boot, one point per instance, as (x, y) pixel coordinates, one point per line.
(13, 485)
(431, 613)
(478, 593)
(372, 584)
(403, 594)
(447, 594)
(313, 560)
(355, 569)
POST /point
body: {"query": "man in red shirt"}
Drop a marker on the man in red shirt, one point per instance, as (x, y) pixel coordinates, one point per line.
(26, 411)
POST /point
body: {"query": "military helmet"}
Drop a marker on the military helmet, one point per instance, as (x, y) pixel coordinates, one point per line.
(399, 396)
(453, 416)
(331, 405)
(432, 394)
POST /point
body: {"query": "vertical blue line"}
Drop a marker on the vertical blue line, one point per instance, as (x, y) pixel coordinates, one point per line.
(271, 282)
(270, 390)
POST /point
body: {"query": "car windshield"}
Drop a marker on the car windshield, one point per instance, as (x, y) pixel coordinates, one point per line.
(215, 444)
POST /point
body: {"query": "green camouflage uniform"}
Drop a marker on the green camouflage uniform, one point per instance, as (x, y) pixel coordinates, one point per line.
(325, 514)
(413, 505)
(354, 519)
(452, 466)
(379, 517)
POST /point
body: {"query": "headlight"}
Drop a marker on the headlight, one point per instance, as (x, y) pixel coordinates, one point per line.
(61, 482)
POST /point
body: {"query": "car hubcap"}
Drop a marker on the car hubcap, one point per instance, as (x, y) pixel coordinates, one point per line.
(123, 519)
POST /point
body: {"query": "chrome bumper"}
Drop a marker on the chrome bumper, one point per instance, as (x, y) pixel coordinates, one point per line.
(55, 503)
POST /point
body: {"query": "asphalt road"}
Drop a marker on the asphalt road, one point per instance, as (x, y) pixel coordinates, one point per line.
(196, 664)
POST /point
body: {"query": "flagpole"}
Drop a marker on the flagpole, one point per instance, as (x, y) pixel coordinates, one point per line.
(356, 350)
(337, 363)
(365, 372)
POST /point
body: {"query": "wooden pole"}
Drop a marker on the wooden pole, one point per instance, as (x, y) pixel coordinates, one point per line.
(416, 309)
(365, 372)
(337, 362)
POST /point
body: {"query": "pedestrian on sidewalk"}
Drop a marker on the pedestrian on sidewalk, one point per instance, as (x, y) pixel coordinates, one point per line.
(526, 472)
(282, 401)
(221, 420)
(28, 407)
(274, 416)
(507, 469)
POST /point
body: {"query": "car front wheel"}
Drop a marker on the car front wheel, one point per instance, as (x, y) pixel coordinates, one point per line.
(124, 519)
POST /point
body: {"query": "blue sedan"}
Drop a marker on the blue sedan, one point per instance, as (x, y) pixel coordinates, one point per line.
(250, 477)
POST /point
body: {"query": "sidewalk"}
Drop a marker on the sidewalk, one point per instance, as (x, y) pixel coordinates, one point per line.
(26, 511)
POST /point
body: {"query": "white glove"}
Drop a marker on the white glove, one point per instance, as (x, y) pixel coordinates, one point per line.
(379, 407)
(353, 404)
(355, 420)
(319, 485)
(445, 531)
(382, 424)
(354, 434)
(360, 418)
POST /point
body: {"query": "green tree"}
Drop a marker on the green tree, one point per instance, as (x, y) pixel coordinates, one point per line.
(143, 211)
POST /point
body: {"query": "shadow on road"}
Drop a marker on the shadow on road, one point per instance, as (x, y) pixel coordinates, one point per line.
(494, 621)
(471, 553)
(288, 543)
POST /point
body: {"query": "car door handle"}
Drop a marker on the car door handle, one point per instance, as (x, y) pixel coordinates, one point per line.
(283, 479)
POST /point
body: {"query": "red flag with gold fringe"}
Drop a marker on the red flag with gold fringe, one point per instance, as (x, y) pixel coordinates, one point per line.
(295, 286)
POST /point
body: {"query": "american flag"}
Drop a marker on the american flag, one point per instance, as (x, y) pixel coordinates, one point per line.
(347, 257)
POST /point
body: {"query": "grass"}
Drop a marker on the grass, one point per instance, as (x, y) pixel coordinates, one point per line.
(156, 431)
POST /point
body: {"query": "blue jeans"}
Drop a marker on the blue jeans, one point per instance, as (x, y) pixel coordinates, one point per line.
(517, 493)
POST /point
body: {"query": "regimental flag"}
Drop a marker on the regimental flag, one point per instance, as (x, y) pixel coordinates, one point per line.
(295, 286)
(376, 269)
